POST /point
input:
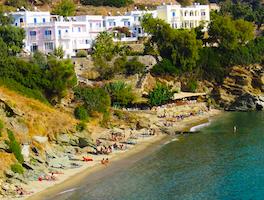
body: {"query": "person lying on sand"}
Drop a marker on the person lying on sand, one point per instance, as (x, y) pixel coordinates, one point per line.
(56, 172)
(21, 191)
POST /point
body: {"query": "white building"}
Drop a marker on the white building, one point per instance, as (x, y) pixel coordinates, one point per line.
(45, 32)
(184, 17)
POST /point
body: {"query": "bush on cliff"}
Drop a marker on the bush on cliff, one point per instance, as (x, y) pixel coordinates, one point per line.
(14, 146)
(81, 113)
(121, 93)
(165, 67)
(17, 168)
(94, 100)
(161, 94)
(134, 67)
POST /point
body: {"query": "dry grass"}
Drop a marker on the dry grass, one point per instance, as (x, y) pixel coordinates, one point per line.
(40, 119)
(6, 159)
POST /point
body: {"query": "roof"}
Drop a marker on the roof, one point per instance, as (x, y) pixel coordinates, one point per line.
(183, 95)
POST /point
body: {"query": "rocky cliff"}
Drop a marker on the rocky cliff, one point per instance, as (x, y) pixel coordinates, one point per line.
(242, 89)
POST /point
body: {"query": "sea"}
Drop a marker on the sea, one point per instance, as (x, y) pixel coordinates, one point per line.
(219, 162)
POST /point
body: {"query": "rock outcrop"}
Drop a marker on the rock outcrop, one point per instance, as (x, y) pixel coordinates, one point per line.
(242, 89)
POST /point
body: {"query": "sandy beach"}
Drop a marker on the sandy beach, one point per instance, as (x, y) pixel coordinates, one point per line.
(91, 171)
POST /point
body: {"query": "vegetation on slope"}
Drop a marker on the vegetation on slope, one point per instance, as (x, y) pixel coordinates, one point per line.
(46, 78)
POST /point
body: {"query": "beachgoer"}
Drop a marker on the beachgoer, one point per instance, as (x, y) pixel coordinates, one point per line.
(106, 161)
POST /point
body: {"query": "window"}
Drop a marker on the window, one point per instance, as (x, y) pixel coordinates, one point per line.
(128, 23)
(66, 31)
(110, 23)
(191, 13)
(139, 18)
(49, 46)
(86, 41)
(16, 24)
(79, 29)
(32, 33)
(33, 48)
(203, 13)
(21, 20)
(72, 29)
(59, 32)
(47, 32)
(35, 20)
(114, 23)
(173, 14)
(185, 13)
(43, 20)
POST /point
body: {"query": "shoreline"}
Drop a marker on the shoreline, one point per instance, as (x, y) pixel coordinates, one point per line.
(95, 170)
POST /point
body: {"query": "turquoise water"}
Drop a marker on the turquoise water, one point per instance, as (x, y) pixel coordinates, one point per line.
(214, 164)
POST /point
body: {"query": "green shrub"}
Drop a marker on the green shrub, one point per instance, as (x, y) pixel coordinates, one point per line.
(120, 65)
(159, 95)
(81, 113)
(58, 52)
(14, 146)
(17, 168)
(81, 126)
(94, 99)
(121, 93)
(165, 67)
(191, 86)
(81, 53)
(134, 66)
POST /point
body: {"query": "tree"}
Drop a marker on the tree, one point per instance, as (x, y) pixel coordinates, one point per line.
(94, 99)
(60, 76)
(228, 33)
(252, 11)
(5, 19)
(59, 52)
(178, 45)
(104, 47)
(39, 59)
(160, 95)
(65, 8)
(165, 67)
(13, 37)
(121, 93)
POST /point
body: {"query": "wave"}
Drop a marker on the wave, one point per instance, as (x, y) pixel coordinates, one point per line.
(199, 127)
(66, 191)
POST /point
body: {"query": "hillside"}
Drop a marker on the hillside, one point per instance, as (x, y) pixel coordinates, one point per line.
(29, 118)
(102, 10)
